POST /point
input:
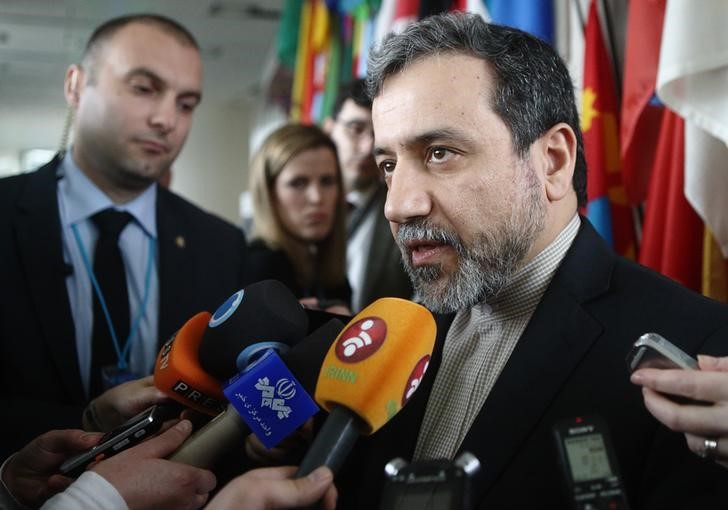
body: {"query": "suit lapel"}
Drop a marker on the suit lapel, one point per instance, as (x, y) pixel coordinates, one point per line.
(378, 250)
(172, 266)
(38, 231)
(556, 339)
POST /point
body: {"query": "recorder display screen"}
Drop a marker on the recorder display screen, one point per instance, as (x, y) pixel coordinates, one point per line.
(588, 458)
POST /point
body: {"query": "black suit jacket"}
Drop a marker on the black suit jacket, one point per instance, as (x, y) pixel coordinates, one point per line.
(266, 263)
(201, 263)
(384, 274)
(570, 361)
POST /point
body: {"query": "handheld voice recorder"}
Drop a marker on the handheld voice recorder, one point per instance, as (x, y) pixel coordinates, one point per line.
(653, 351)
(589, 464)
(126, 435)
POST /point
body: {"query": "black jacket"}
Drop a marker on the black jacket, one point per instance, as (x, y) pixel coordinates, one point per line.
(570, 361)
(265, 263)
(201, 262)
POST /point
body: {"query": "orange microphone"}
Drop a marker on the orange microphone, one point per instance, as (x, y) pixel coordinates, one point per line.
(178, 373)
(370, 372)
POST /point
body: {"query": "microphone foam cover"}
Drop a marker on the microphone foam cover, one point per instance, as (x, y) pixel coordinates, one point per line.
(262, 311)
(178, 373)
(377, 361)
(308, 354)
(317, 318)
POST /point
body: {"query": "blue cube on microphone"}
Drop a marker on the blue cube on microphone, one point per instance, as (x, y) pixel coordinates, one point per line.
(270, 399)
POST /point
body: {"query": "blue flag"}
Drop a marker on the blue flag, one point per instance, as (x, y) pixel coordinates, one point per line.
(533, 16)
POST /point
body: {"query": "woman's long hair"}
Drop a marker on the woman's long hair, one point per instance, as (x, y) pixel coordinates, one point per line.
(277, 150)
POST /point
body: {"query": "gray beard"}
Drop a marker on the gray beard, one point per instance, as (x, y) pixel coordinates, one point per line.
(484, 269)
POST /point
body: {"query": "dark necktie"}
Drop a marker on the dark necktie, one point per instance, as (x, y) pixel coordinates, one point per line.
(353, 218)
(111, 277)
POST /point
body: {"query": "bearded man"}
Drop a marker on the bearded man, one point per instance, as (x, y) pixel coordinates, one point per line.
(477, 135)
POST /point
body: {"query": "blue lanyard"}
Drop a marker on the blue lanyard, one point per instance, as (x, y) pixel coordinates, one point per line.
(120, 355)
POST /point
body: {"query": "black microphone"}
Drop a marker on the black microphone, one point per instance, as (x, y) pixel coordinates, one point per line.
(318, 317)
(265, 311)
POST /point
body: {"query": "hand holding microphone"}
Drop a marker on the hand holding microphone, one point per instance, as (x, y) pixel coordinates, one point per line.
(177, 376)
(274, 488)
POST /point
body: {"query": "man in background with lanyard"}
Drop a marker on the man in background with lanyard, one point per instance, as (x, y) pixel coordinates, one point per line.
(99, 264)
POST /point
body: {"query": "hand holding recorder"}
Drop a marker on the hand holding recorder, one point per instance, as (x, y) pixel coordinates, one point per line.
(120, 403)
(31, 474)
(139, 477)
(690, 399)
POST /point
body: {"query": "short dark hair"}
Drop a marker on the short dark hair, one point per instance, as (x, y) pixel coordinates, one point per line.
(106, 31)
(355, 90)
(533, 90)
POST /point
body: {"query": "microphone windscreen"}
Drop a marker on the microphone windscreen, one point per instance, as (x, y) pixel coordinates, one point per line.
(305, 358)
(377, 361)
(317, 318)
(263, 311)
(177, 371)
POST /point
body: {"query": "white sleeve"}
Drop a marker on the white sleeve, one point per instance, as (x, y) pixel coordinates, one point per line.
(7, 500)
(90, 491)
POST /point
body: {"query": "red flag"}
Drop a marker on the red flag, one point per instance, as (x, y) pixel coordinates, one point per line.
(672, 238)
(641, 114)
(607, 208)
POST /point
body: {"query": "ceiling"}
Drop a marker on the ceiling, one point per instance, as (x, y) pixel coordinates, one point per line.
(40, 38)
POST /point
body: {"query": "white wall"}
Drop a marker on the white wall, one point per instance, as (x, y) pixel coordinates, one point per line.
(28, 127)
(211, 171)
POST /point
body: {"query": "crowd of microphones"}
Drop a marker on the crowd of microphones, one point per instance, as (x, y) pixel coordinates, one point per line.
(249, 365)
(251, 368)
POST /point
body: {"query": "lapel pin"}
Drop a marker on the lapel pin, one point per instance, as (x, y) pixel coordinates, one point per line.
(180, 242)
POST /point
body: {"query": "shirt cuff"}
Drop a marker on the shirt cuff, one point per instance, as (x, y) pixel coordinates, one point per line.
(90, 491)
(7, 500)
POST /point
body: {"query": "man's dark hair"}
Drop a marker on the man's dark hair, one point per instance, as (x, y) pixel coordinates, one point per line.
(532, 91)
(106, 31)
(355, 90)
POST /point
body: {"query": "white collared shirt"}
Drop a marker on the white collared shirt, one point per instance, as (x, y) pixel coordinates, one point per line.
(478, 346)
(79, 199)
(357, 247)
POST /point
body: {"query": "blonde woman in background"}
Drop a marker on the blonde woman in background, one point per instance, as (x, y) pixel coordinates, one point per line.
(298, 235)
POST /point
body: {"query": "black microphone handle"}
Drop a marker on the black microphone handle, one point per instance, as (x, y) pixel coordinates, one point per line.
(333, 442)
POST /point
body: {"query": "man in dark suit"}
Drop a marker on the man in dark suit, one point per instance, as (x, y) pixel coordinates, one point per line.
(133, 97)
(373, 261)
(478, 136)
